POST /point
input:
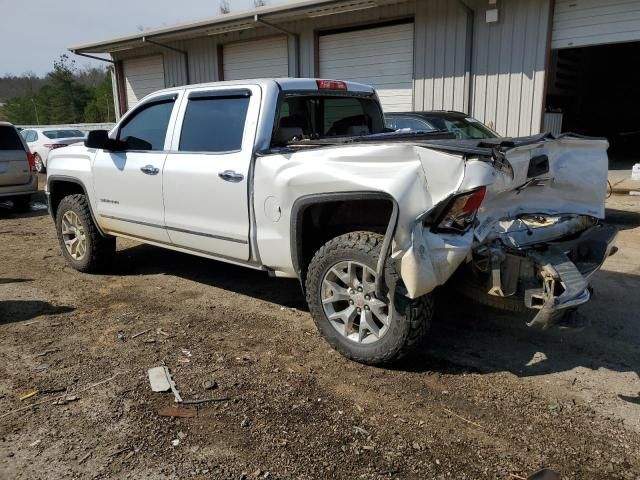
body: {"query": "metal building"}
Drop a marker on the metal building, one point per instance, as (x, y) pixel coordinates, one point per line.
(501, 61)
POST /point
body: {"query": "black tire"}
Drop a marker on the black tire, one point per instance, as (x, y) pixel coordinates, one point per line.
(411, 319)
(39, 164)
(99, 249)
(21, 203)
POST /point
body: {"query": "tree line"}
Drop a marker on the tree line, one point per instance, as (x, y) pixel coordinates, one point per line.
(66, 94)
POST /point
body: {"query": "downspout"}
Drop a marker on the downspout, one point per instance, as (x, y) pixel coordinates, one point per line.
(173, 49)
(469, 56)
(118, 105)
(295, 35)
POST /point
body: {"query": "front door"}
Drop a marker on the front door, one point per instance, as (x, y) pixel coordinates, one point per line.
(128, 183)
(206, 173)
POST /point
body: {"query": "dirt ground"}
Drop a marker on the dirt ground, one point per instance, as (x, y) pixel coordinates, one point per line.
(488, 398)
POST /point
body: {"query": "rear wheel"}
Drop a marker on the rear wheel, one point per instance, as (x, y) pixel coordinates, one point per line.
(39, 163)
(355, 321)
(82, 244)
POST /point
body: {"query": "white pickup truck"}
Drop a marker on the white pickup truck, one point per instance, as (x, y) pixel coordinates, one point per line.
(300, 178)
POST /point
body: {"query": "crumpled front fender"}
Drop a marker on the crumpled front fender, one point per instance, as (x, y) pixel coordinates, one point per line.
(432, 259)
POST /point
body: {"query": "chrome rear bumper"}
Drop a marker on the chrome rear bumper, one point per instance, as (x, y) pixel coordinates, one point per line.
(565, 268)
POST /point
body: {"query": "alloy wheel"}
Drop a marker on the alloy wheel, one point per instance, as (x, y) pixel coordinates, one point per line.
(73, 235)
(350, 304)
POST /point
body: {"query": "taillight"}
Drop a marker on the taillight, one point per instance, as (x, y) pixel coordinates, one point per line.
(31, 158)
(331, 85)
(461, 211)
(56, 145)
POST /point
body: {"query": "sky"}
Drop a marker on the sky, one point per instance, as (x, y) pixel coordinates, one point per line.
(35, 33)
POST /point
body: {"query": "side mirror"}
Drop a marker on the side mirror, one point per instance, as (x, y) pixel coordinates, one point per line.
(97, 139)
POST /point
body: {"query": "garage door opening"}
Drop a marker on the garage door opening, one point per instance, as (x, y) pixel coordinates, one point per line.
(594, 91)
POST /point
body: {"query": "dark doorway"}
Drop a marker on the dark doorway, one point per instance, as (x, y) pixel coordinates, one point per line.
(597, 91)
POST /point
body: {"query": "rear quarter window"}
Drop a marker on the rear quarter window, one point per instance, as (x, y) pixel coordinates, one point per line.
(9, 139)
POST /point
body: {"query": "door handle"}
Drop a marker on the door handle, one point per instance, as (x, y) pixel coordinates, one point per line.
(231, 176)
(150, 170)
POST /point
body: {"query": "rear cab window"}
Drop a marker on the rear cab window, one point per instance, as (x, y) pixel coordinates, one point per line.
(314, 116)
(214, 122)
(10, 139)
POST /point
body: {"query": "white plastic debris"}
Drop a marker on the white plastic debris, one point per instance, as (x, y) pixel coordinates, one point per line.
(159, 379)
(635, 172)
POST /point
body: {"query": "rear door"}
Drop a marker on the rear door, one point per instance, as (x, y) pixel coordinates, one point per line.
(14, 164)
(206, 173)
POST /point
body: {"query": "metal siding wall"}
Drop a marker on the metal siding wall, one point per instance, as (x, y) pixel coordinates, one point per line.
(174, 66)
(203, 60)
(508, 66)
(441, 59)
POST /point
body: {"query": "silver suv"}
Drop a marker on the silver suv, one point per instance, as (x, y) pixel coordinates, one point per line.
(18, 176)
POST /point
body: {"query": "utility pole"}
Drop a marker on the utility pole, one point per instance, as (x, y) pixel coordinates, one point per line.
(35, 106)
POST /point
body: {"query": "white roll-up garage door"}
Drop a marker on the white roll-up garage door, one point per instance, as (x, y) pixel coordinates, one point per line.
(581, 23)
(265, 58)
(381, 57)
(142, 76)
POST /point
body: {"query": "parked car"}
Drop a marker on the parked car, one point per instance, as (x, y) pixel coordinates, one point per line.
(298, 178)
(18, 178)
(459, 124)
(42, 141)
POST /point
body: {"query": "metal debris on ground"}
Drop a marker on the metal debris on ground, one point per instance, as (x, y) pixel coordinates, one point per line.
(136, 335)
(462, 418)
(205, 400)
(66, 399)
(84, 458)
(118, 452)
(47, 352)
(209, 384)
(41, 402)
(28, 395)
(177, 412)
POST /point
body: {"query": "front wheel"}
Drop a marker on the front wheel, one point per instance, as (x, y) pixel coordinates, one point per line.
(82, 244)
(341, 295)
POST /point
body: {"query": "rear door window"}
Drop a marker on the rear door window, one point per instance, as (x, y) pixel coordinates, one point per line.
(9, 139)
(214, 123)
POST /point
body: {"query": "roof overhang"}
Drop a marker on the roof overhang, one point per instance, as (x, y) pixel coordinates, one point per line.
(291, 11)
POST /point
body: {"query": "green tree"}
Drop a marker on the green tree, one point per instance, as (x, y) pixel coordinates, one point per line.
(100, 108)
(66, 95)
